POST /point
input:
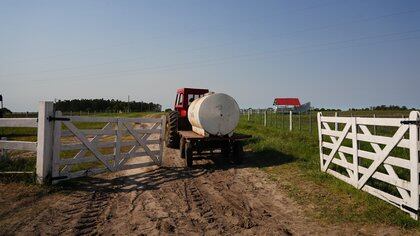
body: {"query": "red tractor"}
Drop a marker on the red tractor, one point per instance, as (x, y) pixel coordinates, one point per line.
(177, 119)
(179, 132)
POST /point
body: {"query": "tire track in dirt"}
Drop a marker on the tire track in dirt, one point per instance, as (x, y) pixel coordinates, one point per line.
(212, 198)
(88, 220)
(221, 209)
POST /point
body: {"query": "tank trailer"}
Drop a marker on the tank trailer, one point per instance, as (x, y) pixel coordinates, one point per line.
(204, 121)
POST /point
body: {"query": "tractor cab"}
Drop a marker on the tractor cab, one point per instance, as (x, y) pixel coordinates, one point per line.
(184, 97)
(177, 119)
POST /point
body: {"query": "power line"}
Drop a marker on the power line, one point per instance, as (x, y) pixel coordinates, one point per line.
(266, 57)
(198, 29)
(245, 55)
(365, 19)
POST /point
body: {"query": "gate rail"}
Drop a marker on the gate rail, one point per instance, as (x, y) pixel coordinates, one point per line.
(53, 126)
(351, 152)
(106, 149)
(18, 122)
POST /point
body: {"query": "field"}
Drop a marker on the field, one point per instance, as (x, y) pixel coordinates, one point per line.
(279, 187)
(299, 172)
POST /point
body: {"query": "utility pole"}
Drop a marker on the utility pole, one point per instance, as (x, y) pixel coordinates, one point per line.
(128, 104)
(1, 111)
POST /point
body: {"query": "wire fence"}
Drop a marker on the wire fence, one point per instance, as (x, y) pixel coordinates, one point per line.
(307, 121)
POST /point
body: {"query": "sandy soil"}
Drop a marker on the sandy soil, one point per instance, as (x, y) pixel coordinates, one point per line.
(212, 198)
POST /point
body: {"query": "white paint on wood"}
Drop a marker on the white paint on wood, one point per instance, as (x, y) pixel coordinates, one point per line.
(88, 144)
(115, 127)
(45, 142)
(56, 146)
(408, 190)
(18, 145)
(18, 122)
(290, 120)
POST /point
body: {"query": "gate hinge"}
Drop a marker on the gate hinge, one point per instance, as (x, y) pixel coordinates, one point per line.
(53, 118)
(410, 122)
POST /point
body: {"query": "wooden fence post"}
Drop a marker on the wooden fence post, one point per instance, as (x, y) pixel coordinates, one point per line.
(44, 142)
(310, 122)
(282, 120)
(291, 121)
(355, 147)
(414, 162)
(336, 124)
(249, 114)
(374, 126)
(275, 118)
(321, 154)
(300, 128)
(265, 118)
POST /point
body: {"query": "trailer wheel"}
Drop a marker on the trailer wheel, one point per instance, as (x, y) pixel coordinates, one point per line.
(172, 136)
(225, 150)
(238, 152)
(182, 148)
(188, 155)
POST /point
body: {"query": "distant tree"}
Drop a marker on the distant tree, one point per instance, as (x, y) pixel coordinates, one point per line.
(102, 105)
(4, 111)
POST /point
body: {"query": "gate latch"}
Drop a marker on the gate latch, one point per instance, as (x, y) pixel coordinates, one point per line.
(410, 122)
(53, 118)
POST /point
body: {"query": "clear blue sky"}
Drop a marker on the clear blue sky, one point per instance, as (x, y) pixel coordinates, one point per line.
(334, 53)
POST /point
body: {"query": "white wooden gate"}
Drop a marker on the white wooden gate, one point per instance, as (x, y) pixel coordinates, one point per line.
(385, 165)
(114, 144)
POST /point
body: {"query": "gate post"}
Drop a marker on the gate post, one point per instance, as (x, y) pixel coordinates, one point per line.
(290, 121)
(162, 136)
(265, 117)
(321, 154)
(44, 142)
(355, 146)
(414, 162)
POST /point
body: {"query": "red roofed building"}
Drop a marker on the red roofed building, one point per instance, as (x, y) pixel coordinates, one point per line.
(291, 104)
(287, 102)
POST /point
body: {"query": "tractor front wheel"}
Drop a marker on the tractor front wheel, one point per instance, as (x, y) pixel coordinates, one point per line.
(172, 136)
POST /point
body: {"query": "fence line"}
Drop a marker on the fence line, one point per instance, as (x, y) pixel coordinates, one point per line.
(305, 122)
(48, 147)
(18, 145)
(271, 118)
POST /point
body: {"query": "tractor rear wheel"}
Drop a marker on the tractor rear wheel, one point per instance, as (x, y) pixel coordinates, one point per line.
(172, 136)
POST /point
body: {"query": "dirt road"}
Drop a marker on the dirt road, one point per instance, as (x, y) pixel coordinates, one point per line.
(212, 198)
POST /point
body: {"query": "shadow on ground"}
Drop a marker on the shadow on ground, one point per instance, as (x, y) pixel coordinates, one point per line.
(153, 179)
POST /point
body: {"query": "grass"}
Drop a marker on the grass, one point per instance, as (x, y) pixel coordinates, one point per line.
(292, 160)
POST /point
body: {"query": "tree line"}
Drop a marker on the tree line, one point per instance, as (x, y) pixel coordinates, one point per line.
(103, 105)
(383, 108)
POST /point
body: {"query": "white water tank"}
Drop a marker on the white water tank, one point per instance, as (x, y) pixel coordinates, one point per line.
(214, 114)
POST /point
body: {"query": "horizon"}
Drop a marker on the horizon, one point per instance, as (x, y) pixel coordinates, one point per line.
(313, 108)
(332, 53)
